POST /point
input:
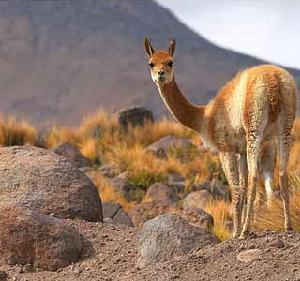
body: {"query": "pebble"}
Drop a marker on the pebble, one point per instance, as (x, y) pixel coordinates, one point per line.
(3, 275)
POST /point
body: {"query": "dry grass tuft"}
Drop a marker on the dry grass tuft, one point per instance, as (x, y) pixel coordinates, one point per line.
(108, 193)
(273, 218)
(14, 132)
(222, 213)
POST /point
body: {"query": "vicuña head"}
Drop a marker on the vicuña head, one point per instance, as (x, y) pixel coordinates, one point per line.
(161, 62)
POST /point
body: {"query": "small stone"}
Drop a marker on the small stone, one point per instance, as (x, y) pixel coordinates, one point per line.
(250, 255)
(277, 244)
(28, 268)
(3, 275)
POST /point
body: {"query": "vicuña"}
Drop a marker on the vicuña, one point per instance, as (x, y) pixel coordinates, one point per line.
(254, 109)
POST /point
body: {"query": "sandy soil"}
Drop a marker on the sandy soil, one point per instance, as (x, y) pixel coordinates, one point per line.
(111, 254)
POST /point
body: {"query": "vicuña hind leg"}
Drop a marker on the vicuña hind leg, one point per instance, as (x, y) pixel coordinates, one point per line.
(230, 167)
(243, 178)
(284, 141)
(268, 162)
(253, 148)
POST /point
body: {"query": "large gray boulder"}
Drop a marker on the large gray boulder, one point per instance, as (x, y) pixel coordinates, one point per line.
(29, 237)
(168, 236)
(40, 179)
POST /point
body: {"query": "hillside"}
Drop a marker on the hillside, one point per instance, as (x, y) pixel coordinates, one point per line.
(62, 59)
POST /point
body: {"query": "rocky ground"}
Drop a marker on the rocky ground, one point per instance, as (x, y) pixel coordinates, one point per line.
(55, 227)
(111, 253)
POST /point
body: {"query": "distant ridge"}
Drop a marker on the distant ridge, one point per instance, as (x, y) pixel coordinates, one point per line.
(62, 59)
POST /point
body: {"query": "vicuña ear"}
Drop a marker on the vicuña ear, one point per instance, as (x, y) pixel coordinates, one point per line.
(148, 47)
(172, 46)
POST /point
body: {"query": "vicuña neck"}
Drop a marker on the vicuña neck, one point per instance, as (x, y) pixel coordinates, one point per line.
(185, 112)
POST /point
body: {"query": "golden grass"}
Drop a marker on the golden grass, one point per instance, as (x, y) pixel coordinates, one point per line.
(273, 218)
(14, 132)
(222, 213)
(101, 140)
(60, 135)
(108, 193)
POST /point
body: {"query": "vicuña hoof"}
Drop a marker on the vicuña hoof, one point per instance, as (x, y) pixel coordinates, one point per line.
(244, 234)
(236, 234)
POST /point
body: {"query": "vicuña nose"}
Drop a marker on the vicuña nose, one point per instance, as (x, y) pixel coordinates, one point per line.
(161, 73)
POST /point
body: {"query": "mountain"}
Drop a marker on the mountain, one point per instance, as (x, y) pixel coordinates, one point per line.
(62, 59)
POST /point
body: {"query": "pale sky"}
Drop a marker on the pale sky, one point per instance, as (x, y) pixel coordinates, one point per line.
(268, 29)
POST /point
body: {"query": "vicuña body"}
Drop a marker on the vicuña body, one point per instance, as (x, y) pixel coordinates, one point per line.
(253, 109)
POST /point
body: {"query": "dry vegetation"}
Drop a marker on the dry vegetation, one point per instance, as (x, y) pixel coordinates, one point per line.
(101, 140)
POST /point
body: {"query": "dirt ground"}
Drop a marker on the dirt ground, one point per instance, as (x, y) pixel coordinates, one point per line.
(111, 254)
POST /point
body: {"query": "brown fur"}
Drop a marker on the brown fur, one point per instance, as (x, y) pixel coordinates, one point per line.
(257, 106)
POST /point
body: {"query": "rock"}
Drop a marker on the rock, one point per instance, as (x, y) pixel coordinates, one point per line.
(41, 179)
(177, 181)
(158, 200)
(162, 193)
(250, 255)
(201, 186)
(198, 217)
(147, 210)
(3, 275)
(133, 117)
(114, 213)
(108, 221)
(278, 243)
(197, 199)
(121, 217)
(27, 268)
(29, 237)
(74, 155)
(109, 209)
(129, 191)
(163, 146)
(120, 182)
(167, 236)
(108, 171)
(215, 188)
(219, 190)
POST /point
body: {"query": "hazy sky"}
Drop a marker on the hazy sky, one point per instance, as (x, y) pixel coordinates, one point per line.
(268, 29)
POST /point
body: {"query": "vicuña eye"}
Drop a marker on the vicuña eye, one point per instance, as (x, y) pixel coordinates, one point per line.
(170, 64)
(151, 64)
